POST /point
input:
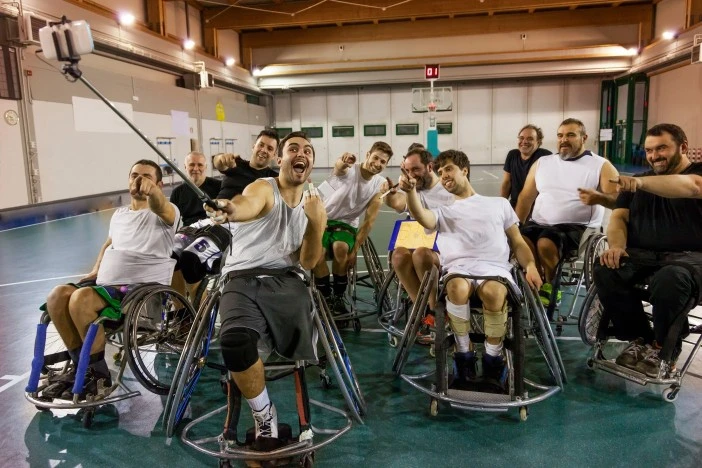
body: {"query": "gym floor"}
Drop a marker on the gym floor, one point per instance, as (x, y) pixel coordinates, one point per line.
(599, 420)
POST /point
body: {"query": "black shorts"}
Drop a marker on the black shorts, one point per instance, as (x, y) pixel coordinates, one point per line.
(278, 307)
(565, 236)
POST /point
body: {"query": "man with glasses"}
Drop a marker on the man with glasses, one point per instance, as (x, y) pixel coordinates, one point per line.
(520, 160)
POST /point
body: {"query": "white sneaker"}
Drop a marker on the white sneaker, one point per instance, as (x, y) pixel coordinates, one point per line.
(266, 422)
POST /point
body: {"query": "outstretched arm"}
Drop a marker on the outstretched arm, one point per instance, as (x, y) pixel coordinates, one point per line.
(158, 203)
(669, 186)
(256, 201)
(311, 250)
(368, 220)
(342, 165)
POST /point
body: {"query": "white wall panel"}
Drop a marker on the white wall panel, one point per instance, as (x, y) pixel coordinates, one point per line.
(473, 104)
(313, 113)
(13, 189)
(582, 101)
(665, 105)
(401, 98)
(374, 109)
(545, 110)
(509, 107)
(342, 109)
(282, 109)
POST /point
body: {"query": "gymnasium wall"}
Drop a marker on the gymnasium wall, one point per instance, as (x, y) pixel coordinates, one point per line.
(485, 118)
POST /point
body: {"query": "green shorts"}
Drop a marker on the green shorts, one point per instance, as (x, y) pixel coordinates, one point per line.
(112, 295)
(339, 232)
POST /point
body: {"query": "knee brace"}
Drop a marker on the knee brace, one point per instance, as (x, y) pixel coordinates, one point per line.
(459, 317)
(495, 322)
(239, 348)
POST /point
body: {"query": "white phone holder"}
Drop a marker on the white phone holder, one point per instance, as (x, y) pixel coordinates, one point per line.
(66, 40)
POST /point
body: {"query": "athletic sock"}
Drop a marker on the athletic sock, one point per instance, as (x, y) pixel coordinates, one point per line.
(259, 402)
(340, 284)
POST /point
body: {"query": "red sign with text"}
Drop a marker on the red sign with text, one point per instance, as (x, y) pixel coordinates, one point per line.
(431, 72)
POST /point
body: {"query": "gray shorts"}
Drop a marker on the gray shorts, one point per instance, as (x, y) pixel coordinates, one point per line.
(278, 307)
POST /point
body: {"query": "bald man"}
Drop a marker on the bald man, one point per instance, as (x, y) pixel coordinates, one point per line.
(183, 196)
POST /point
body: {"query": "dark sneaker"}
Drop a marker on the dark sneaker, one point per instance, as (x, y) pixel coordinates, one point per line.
(495, 372)
(338, 305)
(94, 384)
(632, 354)
(58, 385)
(465, 366)
(650, 363)
(266, 422)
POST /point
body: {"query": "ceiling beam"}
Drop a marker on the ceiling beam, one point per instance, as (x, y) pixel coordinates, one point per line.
(296, 14)
(464, 26)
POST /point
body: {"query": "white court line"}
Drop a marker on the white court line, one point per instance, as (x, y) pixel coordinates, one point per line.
(43, 279)
(54, 220)
(491, 175)
(13, 380)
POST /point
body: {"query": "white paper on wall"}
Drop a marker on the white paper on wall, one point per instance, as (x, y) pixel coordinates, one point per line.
(180, 123)
(93, 115)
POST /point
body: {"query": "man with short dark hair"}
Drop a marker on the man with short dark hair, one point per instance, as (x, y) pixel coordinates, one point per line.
(238, 173)
(656, 226)
(137, 250)
(520, 160)
(276, 229)
(351, 191)
(475, 235)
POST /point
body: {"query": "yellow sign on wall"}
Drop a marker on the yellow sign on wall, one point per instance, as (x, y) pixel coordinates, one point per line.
(219, 112)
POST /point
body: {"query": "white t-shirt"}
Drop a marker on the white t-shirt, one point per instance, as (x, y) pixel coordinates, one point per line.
(346, 198)
(435, 197)
(141, 248)
(557, 182)
(472, 237)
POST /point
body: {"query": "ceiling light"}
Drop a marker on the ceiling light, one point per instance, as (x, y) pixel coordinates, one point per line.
(256, 71)
(633, 50)
(229, 61)
(126, 19)
(668, 35)
(189, 44)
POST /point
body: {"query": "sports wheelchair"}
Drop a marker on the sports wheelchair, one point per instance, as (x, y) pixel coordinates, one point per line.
(229, 445)
(595, 330)
(151, 332)
(526, 314)
(372, 279)
(575, 269)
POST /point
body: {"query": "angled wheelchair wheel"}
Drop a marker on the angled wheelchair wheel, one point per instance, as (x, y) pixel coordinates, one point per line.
(156, 326)
(595, 247)
(543, 334)
(191, 363)
(338, 359)
(393, 305)
(373, 265)
(590, 317)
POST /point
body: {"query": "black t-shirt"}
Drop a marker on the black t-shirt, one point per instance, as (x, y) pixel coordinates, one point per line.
(663, 224)
(235, 180)
(519, 169)
(187, 202)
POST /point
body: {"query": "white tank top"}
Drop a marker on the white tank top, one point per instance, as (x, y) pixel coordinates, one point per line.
(273, 241)
(557, 182)
(346, 198)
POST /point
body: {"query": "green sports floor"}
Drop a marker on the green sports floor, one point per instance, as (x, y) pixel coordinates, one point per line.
(598, 420)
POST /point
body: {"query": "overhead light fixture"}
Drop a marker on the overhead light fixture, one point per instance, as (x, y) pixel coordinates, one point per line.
(256, 71)
(126, 19)
(668, 35)
(188, 44)
(633, 50)
(229, 61)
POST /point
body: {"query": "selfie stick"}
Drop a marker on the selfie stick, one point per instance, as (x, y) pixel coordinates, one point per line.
(71, 69)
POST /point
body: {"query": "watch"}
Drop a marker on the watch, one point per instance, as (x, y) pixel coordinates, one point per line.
(11, 117)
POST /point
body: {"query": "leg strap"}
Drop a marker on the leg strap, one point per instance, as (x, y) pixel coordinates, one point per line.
(495, 322)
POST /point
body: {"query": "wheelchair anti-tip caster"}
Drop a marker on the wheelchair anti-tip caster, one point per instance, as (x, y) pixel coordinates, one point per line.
(434, 407)
(670, 394)
(523, 413)
(392, 341)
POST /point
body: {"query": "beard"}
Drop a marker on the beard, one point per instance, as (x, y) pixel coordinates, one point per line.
(673, 163)
(423, 182)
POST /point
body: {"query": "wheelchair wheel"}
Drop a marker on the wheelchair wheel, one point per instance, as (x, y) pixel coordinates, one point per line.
(393, 304)
(595, 247)
(338, 359)
(543, 334)
(517, 351)
(590, 316)
(191, 363)
(373, 265)
(155, 329)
